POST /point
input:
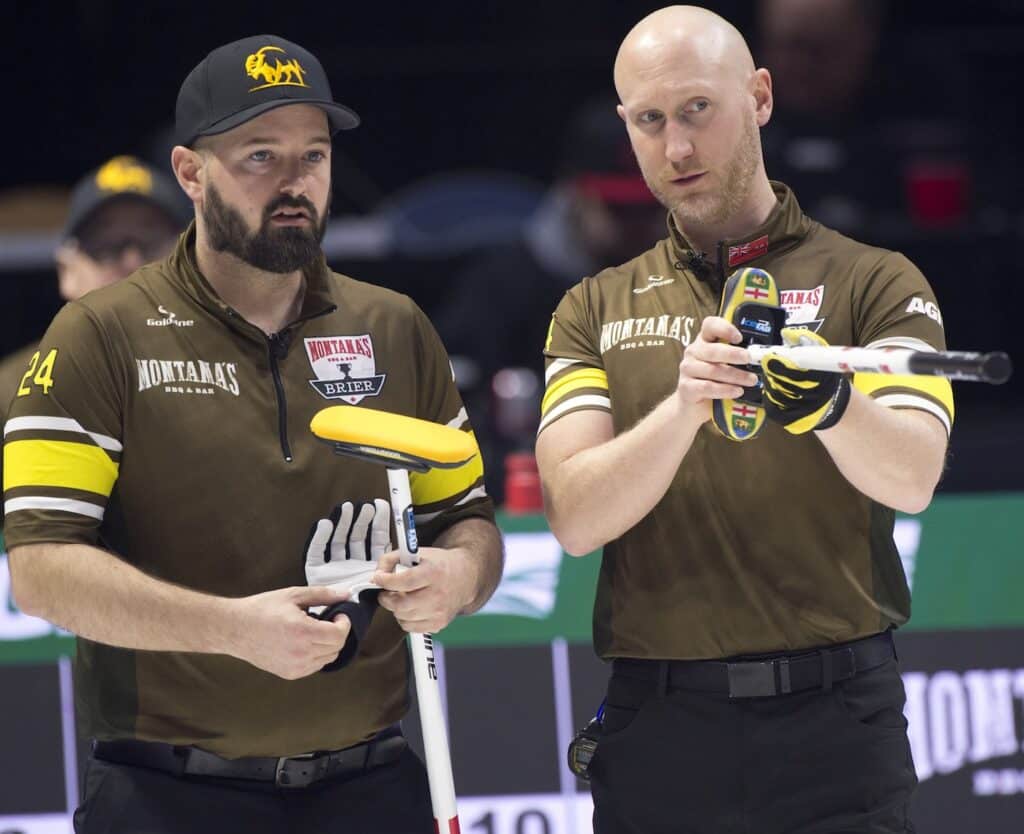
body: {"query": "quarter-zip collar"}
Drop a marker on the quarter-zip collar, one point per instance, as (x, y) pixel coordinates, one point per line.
(318, 298)
(785, 227)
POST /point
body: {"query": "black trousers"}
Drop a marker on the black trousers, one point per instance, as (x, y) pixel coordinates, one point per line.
(814, 762)
(121, 799)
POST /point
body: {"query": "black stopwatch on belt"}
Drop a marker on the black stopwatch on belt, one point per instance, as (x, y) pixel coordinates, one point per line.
(584, 745)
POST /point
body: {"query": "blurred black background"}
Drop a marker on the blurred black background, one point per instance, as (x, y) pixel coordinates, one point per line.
(439, 86)
(487, 86)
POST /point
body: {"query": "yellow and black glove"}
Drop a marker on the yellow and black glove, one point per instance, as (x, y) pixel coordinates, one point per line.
(798, 399)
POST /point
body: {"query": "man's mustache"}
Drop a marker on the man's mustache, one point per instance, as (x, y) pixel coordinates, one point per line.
(292, 202)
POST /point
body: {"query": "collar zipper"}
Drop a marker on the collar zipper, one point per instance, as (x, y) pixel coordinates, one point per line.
(277, 349)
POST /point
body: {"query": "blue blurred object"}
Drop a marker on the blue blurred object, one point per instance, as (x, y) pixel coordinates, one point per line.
(459, 210)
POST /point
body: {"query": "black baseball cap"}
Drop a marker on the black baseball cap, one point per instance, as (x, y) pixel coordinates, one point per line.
(243, 79)
(121, 178)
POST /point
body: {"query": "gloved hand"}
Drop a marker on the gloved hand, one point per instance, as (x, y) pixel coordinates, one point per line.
(801, 400)
(343, 551)
(744, 418)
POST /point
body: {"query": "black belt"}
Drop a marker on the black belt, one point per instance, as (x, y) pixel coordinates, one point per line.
(285, 772)
(777, 674)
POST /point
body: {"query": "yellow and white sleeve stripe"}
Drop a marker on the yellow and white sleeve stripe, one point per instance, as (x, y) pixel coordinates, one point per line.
(572, 386)
(54, 463)
(924, 393)
(438, 490)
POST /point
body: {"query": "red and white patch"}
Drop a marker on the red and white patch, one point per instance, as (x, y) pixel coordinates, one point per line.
(743, 410)
(803, 306)
(345, 367)
(744, 252)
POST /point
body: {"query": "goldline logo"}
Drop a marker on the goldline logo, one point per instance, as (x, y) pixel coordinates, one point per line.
(169, 319)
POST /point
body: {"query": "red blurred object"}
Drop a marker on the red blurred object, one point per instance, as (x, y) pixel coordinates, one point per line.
(618, 189)
(522, 484)
(938, 193)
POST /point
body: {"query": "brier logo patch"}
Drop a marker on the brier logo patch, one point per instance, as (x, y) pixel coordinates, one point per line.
(345, 367)
(804, 306)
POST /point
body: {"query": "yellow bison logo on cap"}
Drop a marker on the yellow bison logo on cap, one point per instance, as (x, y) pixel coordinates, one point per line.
(280, 74)
(124, 173)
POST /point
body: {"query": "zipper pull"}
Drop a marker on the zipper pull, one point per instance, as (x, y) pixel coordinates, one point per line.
(279, 344)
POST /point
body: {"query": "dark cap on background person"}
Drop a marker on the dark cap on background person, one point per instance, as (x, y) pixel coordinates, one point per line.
(598, 159)
(124, 178)
(240, 80)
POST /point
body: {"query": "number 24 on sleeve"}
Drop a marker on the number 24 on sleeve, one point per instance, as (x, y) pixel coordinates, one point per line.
(41, 375)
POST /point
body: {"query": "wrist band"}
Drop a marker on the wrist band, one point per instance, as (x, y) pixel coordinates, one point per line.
(360, 615)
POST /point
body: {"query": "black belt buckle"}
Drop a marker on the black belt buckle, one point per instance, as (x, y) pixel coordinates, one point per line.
(297, 771)
(753, 679)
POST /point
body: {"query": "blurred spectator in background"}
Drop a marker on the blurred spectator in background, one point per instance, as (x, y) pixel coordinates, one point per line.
(900, 137)
(860, 130)
(597, 213)
(121, 216)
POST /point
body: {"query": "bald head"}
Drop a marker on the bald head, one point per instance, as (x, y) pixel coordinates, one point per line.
(701, 39)
(693, 104)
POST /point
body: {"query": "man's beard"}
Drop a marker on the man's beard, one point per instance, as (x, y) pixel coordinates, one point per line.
(280, 250)
(716, 207)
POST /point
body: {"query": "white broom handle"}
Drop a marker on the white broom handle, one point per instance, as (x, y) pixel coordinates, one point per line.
(405, 523)
(428, 690)
(977, 367)
(435, 737)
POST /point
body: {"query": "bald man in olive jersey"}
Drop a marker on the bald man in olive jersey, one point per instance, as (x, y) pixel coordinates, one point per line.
(748, 590)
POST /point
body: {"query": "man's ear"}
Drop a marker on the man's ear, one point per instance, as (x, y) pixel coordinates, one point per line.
(761, 89)
(187, 165)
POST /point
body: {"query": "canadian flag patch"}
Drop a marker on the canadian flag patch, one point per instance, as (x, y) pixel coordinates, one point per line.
(744, 252)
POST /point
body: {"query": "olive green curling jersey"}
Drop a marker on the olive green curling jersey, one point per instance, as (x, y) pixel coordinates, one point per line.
(762, 545)
(12, 369)
(158, 424)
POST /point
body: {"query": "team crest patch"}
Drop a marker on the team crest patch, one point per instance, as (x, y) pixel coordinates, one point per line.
(345, 367)
(743, 419)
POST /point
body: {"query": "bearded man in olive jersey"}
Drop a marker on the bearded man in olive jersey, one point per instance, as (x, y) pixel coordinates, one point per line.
(748, 590)
(162, 483)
